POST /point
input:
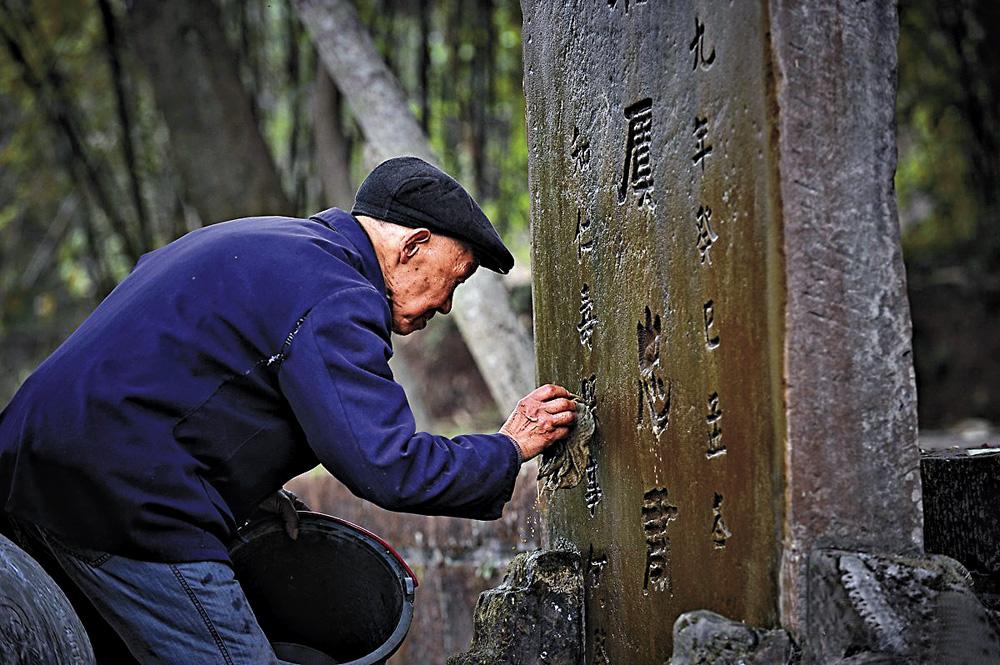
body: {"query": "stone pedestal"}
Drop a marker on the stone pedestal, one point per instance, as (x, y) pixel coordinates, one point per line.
(534, 618)
(717, 272)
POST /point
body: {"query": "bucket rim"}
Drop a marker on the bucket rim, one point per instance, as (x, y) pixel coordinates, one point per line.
(404, 574)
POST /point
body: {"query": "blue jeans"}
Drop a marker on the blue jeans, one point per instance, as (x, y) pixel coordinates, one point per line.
(166, 613)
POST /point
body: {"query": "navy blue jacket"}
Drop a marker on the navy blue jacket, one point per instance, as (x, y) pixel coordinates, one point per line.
(226, 363)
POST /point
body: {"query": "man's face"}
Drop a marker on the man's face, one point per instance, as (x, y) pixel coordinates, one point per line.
(430, 268)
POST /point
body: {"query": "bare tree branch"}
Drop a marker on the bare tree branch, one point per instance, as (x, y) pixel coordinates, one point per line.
(112, 48)
(62, 115)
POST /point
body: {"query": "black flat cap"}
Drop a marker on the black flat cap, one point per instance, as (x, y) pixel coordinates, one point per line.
(410, 192)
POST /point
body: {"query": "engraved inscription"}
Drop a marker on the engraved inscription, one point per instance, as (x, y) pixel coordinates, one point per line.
(612, 4)
(592, 492)
(579, 150)
(702, 148)
(711, 337)
(588, 392)
(637, 175)
(720, 532)
(595, 568)
(706, 235)
(654, 391)
(697, 47)
(657, 514)
(714, 419)
(584, 239)
(588, 320)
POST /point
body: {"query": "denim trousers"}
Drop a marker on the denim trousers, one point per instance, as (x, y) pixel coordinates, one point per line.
(165, 613)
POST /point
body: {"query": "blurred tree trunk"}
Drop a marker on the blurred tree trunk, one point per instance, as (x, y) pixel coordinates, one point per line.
(86, 166)
(112, 49)
(500, 346)
(333, 155)
(225, 165)
(332, 147)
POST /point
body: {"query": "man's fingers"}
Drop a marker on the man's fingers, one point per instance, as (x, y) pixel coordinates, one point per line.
(549, 391)
(564, 418)
(559, 405)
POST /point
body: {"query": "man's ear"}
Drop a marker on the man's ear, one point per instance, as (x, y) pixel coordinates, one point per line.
(411, 244)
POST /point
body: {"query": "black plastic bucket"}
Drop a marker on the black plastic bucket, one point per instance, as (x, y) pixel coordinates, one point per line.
(337, 594)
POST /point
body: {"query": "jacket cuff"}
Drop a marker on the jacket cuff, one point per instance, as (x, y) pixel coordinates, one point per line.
(517, 448)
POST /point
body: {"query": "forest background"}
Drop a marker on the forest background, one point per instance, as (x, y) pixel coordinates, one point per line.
(122, 128)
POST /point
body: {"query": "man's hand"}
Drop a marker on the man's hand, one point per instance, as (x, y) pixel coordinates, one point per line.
(540, 419)
(286, 505)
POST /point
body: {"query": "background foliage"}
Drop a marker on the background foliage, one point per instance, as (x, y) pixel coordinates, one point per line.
(948, 184)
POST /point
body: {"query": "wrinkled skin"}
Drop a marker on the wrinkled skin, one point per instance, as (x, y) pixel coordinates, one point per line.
(540, 418)
(427, 269)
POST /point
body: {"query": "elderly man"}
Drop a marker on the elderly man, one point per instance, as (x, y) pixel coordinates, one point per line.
(230, 361)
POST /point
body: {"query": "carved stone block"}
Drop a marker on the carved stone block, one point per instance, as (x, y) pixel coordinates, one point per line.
(715, 242)
(534, 617)
(912, 610)
(707, 638)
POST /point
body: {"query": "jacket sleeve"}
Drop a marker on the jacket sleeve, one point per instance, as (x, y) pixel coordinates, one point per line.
(356, 419)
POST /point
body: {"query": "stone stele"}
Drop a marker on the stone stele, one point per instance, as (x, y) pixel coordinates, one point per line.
(718, 273)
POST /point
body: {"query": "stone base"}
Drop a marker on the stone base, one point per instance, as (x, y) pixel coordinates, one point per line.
(896, 610)
(534, 616)
(863, 609)
(707, 638)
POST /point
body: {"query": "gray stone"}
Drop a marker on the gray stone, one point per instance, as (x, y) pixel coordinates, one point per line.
(717, 270)
(534, 617)
(902, 609)
(851, 471)
(707, 638)
(37, 622)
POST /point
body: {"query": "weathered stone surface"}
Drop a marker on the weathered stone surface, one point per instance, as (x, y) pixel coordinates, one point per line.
(850, 401)
(655, 241)
(37, 622)
(534, 617)
(717, 270)
(707, 638)
(906, 610)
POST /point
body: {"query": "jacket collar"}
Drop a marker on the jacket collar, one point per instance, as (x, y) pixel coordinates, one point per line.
(348, 226)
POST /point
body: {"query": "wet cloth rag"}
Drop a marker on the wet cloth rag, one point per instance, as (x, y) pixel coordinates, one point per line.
(563, 464)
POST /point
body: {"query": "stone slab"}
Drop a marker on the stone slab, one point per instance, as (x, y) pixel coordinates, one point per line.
(717, 271)
(706, 638)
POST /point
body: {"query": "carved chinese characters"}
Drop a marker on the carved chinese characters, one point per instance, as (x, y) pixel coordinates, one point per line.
(697, 47)
(712, 340)
(706, 236)
(714, 421)
(637, 176)
(702, 149)
(654, 387)
(657, 514)
(647, 260)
